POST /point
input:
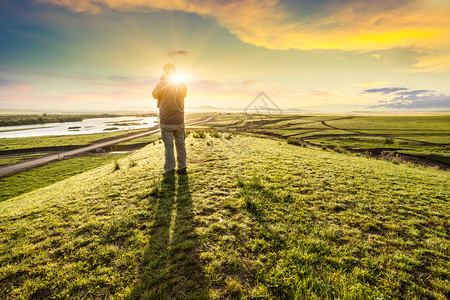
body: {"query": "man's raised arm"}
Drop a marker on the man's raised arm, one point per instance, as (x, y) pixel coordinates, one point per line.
(157, 91)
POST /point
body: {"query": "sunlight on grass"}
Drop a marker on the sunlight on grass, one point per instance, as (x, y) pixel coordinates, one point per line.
(254, 218)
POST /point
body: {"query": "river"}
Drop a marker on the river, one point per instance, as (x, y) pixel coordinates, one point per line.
(87, 126)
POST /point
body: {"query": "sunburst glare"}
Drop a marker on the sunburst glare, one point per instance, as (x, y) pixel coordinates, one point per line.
(179, 77)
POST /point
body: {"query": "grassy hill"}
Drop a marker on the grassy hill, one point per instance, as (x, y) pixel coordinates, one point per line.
(255, 218)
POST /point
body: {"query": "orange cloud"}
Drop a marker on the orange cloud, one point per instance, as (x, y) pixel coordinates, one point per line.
(433, 63)
(355, 26)
(178, 52)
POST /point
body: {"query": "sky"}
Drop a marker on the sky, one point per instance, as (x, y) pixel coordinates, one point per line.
(313, 55)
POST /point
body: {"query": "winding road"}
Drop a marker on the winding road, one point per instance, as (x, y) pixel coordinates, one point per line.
(34, 163)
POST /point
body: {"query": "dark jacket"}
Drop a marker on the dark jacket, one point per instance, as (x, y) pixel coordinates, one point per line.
(170, 97)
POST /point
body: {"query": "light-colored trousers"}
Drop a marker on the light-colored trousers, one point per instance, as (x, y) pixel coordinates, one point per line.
(169, 132)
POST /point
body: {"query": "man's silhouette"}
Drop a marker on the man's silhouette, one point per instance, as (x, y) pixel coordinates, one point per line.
(170, 95)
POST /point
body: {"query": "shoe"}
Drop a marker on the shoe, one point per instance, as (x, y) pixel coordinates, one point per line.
(169, 173)
(182, 171)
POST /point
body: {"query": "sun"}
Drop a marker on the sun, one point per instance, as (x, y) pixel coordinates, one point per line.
(179, 77)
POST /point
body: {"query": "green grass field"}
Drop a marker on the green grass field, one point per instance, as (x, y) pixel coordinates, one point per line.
(146, 139)
(54, 141)
(30, 128)
(426, 136)
(254, 219)
(27, 181)
(12, 159)
(14, 120)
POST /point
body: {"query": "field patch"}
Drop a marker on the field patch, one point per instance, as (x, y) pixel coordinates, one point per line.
(254, 218)
(425, 136)
(24, 182)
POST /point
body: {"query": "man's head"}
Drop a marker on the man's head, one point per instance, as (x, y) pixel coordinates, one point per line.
(169, 69)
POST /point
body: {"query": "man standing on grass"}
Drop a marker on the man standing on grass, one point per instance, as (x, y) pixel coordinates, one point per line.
(170, 93)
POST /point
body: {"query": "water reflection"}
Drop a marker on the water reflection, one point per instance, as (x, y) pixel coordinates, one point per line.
(87, 126)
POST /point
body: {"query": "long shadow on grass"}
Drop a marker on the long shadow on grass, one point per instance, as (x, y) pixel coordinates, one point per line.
(171, 266)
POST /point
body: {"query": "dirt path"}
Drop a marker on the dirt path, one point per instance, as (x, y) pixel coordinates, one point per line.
(31, 164)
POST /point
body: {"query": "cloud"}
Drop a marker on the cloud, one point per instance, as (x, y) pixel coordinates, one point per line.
(377, 56)
(356, 25)
(6, 82)
(119, 81)
(411, 99)
(209, 85)
(423, 102)
(321, 93)
(433, 63)
(13, 85)
(177, 52)
(414, 93)
(372, 83)
(239, 92)
(388, 90)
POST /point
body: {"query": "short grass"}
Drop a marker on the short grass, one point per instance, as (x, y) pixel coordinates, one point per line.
(27, 181)
(20, 129)
(54, 141)
(12, 159)
(418, 134)
(254, 219)
(193, 117)
(14, 120)
(390, 123)
(146, 139)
